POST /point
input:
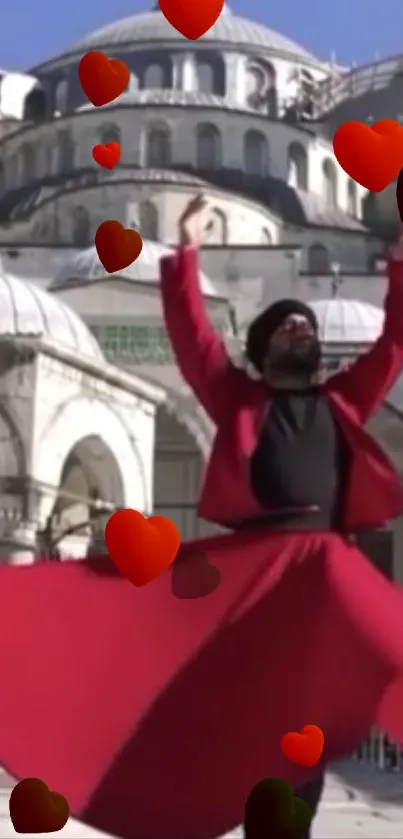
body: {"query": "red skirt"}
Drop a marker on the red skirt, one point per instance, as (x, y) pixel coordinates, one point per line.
(156, 715)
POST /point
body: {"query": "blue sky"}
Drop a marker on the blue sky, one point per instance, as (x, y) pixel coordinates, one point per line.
(33, 30)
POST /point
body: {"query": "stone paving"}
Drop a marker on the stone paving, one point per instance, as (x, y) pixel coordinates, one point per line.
(359, 803)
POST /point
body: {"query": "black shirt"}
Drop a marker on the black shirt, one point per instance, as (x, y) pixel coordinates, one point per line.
(300, 461)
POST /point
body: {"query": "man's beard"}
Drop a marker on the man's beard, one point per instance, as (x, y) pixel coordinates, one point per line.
(301, 360)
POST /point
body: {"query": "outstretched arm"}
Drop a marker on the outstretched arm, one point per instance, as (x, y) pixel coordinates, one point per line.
(200, 352)
(366, 384)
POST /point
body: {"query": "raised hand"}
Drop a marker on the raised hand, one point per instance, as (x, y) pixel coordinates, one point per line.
(194, 223)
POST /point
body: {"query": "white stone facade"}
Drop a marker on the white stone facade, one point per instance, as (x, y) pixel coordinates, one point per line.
(245, 115)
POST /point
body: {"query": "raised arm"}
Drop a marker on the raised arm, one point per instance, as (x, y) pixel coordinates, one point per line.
(200, 352)
(367, 383)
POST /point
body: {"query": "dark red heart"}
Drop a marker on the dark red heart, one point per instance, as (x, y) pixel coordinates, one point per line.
(102, 79)
(116, 246)
(35, 809)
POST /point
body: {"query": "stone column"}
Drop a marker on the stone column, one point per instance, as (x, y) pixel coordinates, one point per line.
(235, 71)
(18, 545)
(185, 72)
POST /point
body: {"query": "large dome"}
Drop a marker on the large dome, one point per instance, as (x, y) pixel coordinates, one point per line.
(85, 266)
(26, 310)
(153, 26)
(347, 321)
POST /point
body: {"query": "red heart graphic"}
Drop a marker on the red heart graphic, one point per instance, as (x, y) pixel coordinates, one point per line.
(107, 156)
(141, 548)
(102, 79)
(116, 246)
(191, 19)
(371, 155)
(305, 747)
(34, 809)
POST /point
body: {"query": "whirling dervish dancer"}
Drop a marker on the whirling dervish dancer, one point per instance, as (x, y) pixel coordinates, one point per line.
(155, 714)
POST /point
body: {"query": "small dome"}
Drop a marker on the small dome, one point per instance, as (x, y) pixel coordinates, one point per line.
(229, 29)
(26, 310)
(347, 321)
(85, 266)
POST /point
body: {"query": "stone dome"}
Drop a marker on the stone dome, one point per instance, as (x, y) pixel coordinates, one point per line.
(29, 311)
(344, 321)
(153, 26)
(84, 266)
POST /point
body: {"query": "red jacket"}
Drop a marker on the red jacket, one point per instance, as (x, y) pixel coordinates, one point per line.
(238, 405)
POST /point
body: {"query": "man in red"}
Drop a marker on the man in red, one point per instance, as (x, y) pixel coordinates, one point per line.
(283, 457)
(154, 714)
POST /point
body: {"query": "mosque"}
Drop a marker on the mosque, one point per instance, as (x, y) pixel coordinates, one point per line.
(93, 412)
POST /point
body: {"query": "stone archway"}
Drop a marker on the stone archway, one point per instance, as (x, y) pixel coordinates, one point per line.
(84, 419)
(12, 454)
(91, 488)
(14, 496)
(178, 473)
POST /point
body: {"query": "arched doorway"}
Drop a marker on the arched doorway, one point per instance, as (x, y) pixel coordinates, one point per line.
(178, 469)
(90, 489)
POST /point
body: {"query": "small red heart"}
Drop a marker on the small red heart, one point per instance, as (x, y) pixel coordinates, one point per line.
(107, 156)
(35, 809)
(371, 155)
(191, 19)
(102, 79)
(305, 747)
(116, 246)
(141, 548)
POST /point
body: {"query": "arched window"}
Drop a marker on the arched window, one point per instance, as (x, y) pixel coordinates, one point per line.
(28, 156)
(133, 82)
(158, 148)
(154, 77)
(61, 96)
(256, 153)
(352, 198)
(329, 182)
(205, 77)
(261, 87)
(148, 221)
(208, 154)
(109, 133)
(306, 93)
(318, 259)
(297, 166)
(81, 227)
(35, 105)
(265, 236)
(65, 152)
(217, 231)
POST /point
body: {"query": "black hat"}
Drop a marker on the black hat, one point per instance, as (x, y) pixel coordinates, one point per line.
(267, 322)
